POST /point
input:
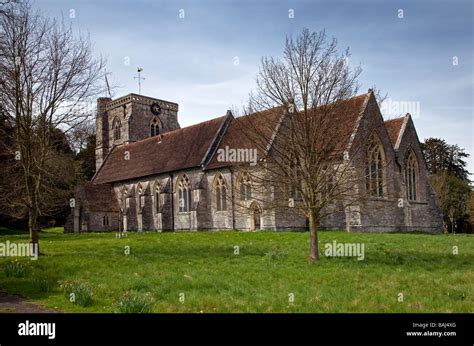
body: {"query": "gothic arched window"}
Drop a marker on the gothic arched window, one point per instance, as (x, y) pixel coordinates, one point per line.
(294, 187)
(155, 127)
(157, 197)
(124, 199)
(184, 194)
(221, 192)
(141, 196)
(245, 187)
(116, 128)
(375, 167)
(411, 176)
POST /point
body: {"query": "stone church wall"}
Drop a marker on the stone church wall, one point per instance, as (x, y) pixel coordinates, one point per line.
(141, 213)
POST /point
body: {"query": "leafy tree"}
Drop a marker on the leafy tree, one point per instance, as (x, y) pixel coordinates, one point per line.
(86, 159)
(445, 158)
(452, 195)
(450, 180)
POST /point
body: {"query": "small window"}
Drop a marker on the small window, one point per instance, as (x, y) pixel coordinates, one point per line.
(141, 197)
(124, 199)
(330, 184)
(116, 128)
(294, 185)
(157, 197)
(105, 220)
(221, 193)
(154, 127)
(294, 193)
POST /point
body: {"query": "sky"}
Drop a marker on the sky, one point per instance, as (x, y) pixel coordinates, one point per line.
(204, 55)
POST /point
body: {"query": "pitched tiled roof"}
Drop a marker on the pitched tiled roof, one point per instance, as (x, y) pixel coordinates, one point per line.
(188, 147)
(394, 127)
(344, 121)
(174, 150)
(257, 129)
(248, 132)
(100, 197)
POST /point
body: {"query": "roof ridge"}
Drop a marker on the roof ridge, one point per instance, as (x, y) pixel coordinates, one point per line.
(217, 139)
(363, 107)
(401, 132)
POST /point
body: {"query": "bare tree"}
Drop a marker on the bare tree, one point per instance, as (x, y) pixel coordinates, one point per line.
(379, 95)
(4, 6)
(306, 165)
(47, 73)
(79, 135)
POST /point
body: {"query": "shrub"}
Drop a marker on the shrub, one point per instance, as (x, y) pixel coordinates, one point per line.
(77, 292)
(136, 302)
(15, 268)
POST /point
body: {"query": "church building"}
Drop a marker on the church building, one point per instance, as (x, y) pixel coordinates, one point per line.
(153, 175)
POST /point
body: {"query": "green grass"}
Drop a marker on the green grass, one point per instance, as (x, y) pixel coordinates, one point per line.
(270, 266)
(53, 230)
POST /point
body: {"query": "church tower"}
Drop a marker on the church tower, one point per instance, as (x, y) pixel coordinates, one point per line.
(129, 119)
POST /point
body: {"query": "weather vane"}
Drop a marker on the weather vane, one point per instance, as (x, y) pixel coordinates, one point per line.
(139, 70)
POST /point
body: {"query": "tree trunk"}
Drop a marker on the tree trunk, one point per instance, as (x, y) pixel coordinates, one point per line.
(33, 228)
(313, 231)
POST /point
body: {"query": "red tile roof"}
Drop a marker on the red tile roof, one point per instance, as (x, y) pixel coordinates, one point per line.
(255, 131)
(187, 147)
(344, 121)
(393, 127)
(248, 132)
(172, 151)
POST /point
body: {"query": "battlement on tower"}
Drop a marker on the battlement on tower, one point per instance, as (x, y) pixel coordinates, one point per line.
(145, 100)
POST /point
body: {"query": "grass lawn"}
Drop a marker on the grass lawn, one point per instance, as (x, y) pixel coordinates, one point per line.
(269, 268)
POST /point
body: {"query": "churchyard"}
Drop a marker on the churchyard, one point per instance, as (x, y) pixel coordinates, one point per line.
(232, 271)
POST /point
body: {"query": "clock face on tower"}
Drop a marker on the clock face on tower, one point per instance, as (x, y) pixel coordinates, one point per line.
(155, 108)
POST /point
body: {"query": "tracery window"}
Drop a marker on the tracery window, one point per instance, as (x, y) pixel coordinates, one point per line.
(184, 194)
(154, 127)
(411, 176)
(245, 187)
(116, 128)
(375, 169)
(221, 193)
